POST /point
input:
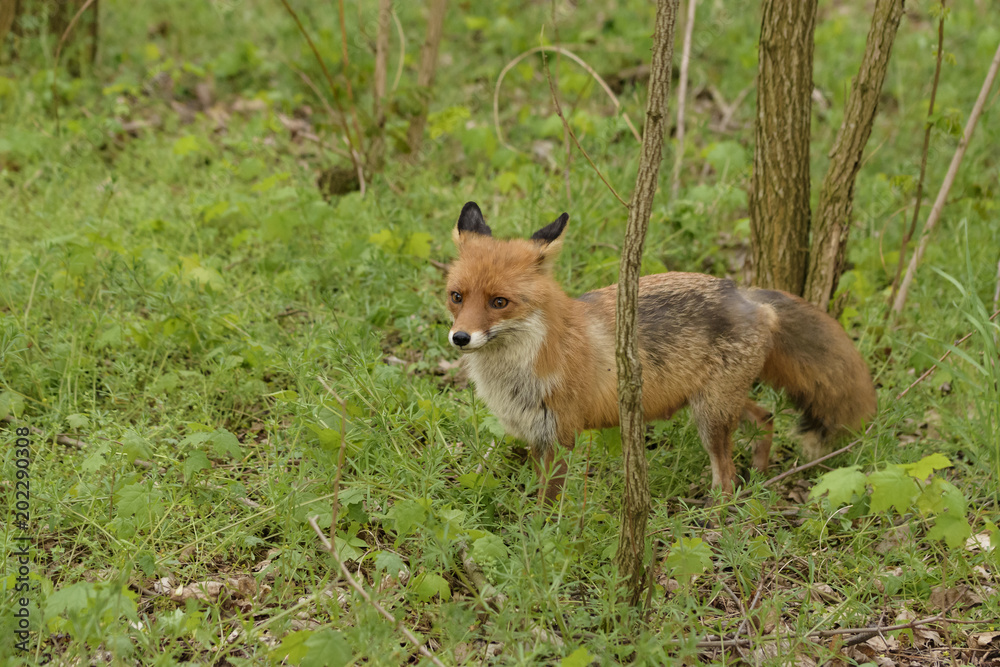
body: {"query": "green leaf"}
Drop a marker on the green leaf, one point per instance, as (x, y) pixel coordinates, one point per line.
(419, 245)
(225, 443)
(953, 528)
(688, 557)
(426, 586)
(164, 383)
(476, 22)
(407, 515)
(923, 468)
(940, 496)
(11, 404)
(196, 460)
(187, 145)
(385, 240)
(327, 647)
(78, 421)
(578, 658)
(892, 487)
(139, 499)
(136, 447)
(292, 648)
(390, 563)
(489, 548)
(68, 599)
(472, 480)
(841, 484)
(96, 459)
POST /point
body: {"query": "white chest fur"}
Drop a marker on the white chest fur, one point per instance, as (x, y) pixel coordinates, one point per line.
(504, 374)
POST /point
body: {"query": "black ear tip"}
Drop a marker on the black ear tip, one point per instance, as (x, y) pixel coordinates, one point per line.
(551, 231)
(471, 220)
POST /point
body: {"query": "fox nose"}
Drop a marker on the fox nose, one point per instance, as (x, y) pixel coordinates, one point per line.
(460, 339)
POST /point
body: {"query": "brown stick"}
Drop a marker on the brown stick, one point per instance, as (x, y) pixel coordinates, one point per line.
(635, 509)
(569, 130)
(428, 67)
(554, 86)
(405, 631)
(949, 180)
(908, 235)
(341, 116)
(832, 223)
(575, 58)
(376, 153)
(682, 87)
(916, 623)
(335, 507)
(59, 46)
(60, 438)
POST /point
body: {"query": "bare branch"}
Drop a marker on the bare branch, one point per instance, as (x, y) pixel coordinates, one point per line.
(923, 163)
(575, 58)
(569, 130)
(682, 87)
(405, 631)
(949, 180)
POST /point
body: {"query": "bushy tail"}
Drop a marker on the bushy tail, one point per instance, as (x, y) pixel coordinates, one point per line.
(816, 363)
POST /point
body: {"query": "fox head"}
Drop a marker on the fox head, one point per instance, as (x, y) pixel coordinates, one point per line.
(497, 288)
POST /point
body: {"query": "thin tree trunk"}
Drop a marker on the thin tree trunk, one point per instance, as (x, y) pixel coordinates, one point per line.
(425, 75)
(836, 196)
(779, 189)
(675, 184)
(635, 511)
(928, 126)
(8, 12)
(949, 180)
(376, 153)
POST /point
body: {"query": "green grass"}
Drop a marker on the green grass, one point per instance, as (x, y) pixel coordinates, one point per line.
(172, 298)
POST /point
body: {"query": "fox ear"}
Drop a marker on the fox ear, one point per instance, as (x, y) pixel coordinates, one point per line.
(550, 239)
(470, 221)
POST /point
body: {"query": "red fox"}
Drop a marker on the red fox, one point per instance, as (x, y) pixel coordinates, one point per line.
(544, 363)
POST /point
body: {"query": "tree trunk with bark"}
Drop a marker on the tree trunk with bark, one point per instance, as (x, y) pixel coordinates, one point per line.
(836, 196)
(779, 190)
(635, 511)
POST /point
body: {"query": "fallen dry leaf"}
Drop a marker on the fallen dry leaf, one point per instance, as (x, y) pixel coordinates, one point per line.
(943, 597)
(979, 542)
(207, 591)
(986, 638)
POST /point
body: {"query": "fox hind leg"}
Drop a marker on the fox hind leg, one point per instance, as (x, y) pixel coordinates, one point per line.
(764, 421)
(717, 418)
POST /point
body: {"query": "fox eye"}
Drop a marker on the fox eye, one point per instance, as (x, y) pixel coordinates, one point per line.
(499, 302)
(456, 297)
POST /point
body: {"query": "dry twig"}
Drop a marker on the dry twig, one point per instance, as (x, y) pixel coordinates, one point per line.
(55, 65)
(60, 438)
(923, 163)
(949, 180)
(568, 130)
(341, 116)
(405, 631)
(575, 58)
(682, 97)
(335, 509)
(819, 634)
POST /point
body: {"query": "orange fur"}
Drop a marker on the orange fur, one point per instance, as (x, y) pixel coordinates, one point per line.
(545, 363)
